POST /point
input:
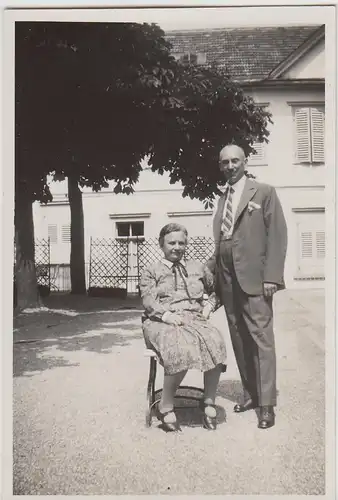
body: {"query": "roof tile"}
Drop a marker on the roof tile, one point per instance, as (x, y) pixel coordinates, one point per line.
(248, 53)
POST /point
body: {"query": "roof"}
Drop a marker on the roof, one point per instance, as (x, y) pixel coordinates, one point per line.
(303, 48)
(249, 54)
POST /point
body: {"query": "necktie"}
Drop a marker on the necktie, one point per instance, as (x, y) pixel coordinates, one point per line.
(178, 267)
(227, 220)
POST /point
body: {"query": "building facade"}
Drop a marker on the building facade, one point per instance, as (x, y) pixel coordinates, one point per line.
(282, 69)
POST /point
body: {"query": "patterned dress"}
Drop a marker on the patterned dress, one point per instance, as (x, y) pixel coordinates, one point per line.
(195, 345)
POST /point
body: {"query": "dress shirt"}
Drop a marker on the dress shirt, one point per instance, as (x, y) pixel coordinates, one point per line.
(236, 196)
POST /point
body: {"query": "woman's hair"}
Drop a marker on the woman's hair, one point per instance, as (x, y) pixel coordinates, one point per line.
(171, 228)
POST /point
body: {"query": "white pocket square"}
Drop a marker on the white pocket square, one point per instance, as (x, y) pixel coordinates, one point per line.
(253, 206)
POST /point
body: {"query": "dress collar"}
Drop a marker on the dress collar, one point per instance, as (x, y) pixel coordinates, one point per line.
(169, 264)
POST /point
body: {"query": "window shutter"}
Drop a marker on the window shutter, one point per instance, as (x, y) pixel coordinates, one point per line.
(65, 233)
(303, 143)
(260, 151)
(320, 244)
(318, 134)
(306, 244)
(311, 240)
(258, 158)
(53, 233)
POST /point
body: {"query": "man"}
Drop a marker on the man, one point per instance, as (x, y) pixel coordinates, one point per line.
(250, 247)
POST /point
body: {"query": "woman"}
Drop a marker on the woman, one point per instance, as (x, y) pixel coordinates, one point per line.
(176, 324)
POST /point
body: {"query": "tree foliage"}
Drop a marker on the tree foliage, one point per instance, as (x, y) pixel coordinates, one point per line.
(92, 99)
(96, 97)
(206, 110)
(88, 90)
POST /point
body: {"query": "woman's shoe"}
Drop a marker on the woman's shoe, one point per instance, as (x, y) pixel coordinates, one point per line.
(209, 423)
(167, 426)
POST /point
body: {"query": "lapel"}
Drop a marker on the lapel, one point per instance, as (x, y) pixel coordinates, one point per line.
(249, 190)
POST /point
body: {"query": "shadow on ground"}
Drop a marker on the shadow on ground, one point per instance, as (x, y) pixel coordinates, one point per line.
(85, 303)
(231, 390)
(35, 344)
(187, 410)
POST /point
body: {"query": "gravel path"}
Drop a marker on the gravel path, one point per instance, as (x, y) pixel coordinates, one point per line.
(79, 401)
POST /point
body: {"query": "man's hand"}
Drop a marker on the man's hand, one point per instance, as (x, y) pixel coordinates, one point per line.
(269, 289)
(172, 319)
(207, 310)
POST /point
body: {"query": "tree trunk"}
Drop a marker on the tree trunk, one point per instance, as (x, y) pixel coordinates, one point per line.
(77, 258)
(26, 288)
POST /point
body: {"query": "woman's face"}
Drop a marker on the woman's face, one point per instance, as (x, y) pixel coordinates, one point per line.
(174, 245)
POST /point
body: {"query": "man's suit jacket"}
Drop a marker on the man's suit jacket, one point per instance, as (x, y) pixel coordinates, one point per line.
(259, 238)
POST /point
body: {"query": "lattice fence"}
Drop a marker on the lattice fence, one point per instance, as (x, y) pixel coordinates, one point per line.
(109, 259)
(42, 262)
(148, 251)
(200, 248)
(108, 266)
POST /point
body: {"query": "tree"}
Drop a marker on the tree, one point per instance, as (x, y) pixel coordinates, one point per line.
(91, 91)
(30, 185)
(95, 98)
(205, 111)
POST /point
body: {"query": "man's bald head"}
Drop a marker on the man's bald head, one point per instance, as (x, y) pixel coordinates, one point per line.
(232, 163)
(237, 150)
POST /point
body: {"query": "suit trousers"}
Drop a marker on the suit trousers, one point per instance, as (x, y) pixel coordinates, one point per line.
(250, 319)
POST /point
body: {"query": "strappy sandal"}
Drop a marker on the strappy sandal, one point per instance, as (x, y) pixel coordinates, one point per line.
(209, 423)
(167, 426)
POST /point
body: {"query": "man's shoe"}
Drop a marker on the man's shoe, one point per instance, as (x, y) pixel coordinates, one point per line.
(266, 417)
(248, 405)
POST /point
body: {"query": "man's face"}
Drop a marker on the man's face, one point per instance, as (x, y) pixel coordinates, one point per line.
(232, 163)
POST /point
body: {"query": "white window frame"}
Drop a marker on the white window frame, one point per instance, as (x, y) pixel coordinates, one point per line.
(310, 157)
(201, 57)
(130, 237)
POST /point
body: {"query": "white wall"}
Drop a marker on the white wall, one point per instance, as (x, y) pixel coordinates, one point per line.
(311, 65)
(282, 169)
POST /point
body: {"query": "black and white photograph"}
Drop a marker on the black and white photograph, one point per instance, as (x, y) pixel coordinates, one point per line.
(169, 203)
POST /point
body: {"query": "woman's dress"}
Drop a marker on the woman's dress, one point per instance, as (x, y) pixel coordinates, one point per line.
(195, 345)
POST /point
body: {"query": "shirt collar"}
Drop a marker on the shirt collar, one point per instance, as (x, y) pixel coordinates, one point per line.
(237, 184)
(169, 264)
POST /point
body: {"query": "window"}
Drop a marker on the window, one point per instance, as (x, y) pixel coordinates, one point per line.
(311, 245)
(191, 57)
(309, 134)
(65, 234)
(258, 158)
(129, 229)
(53, 233)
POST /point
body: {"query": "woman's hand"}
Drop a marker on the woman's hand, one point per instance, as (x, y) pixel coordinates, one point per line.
(172, 319)
(207, 310)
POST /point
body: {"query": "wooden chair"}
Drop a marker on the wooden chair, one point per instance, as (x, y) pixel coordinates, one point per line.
(151, 392)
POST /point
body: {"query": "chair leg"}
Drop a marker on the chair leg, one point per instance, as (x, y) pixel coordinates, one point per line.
(151, 390)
